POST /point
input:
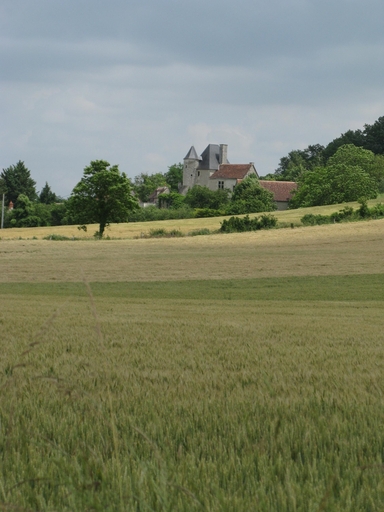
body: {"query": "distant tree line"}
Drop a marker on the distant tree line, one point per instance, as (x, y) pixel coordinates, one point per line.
(349, 168)
(105, 195)
(297, 161)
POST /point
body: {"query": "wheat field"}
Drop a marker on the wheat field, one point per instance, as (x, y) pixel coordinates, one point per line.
(219, 373)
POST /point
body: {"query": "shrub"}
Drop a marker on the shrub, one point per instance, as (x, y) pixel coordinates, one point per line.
(239, 225)
(315, 220)
(197, 232)
(207, 212)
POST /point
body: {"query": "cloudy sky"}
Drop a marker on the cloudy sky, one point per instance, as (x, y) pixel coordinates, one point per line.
(137, 82)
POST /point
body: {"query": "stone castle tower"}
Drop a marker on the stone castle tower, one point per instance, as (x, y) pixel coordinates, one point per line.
(197, 170)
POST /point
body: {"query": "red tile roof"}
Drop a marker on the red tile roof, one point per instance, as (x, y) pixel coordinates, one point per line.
(282, 190)
(231, 171)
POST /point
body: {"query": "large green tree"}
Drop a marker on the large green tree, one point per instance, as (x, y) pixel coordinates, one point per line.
(103, 195)
(203, 197)
(299, 161)
(17, 180)
(174, 176)
(46, 195)
(336, 183)
(372, 164)
(374, 136)
(249, 197)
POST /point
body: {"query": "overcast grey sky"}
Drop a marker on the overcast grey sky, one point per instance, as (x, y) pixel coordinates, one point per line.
(137, 82)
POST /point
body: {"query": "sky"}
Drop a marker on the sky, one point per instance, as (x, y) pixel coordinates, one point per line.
(138, 82)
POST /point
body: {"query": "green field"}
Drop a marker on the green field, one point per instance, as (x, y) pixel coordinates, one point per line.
(218, 373)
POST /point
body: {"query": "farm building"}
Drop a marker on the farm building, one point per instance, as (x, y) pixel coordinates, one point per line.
(211, 169)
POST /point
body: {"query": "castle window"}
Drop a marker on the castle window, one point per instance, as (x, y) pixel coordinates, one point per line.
(221, 184)
(198, 173)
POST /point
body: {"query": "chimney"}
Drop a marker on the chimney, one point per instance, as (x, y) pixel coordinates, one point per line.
(223, 154)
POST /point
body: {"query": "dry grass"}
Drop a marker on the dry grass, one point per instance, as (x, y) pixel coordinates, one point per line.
(136, 229)
(322, 250)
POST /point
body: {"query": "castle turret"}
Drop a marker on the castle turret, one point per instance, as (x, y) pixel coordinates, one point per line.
(191, 163)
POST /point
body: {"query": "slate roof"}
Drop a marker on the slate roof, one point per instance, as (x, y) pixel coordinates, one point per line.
(231, 171)
(210, 157)
(192, 154)
(282, 190)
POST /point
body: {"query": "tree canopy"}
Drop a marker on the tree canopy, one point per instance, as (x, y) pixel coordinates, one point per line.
(102, 196)
(174, 176)
(298, 161)
(203, 197)
(333, 184)
(249, 197)
(46, 195)
(17, 180)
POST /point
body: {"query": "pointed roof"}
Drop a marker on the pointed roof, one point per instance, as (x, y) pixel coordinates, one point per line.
(210, 157)
(191, 155)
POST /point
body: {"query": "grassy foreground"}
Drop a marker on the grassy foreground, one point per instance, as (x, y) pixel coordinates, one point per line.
(252, 380)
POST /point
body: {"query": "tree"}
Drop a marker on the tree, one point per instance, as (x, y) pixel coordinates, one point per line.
(369, 162)
(145, 184)
(17, 179)
(203, 197)
(27, 213)
(356, 138)
(46, 195)
(299, 161)
(250, 197)
(374, 136)
(336, 183)
(174, 176)
(102, 196)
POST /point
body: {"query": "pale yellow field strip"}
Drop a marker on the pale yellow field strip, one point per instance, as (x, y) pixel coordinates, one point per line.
(352, 248)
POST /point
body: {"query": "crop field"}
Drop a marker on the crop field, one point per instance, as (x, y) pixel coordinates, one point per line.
(217, 373)
(185, 226)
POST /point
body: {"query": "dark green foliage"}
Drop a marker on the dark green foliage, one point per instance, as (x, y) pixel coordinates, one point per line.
(208, 212)
(163, 233)
(250, 197)
(350, 137)
(299, 161)
(314, 220)
(338, 182)
(153, 213)
(203, 197)
(198, 232)
(27, 213)
(241, 224)
(46, 195)
(345, 215)
(374, 136)
(17, 180)
(102, 196)
(144, 184)
(172, 200)
(174, 176)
